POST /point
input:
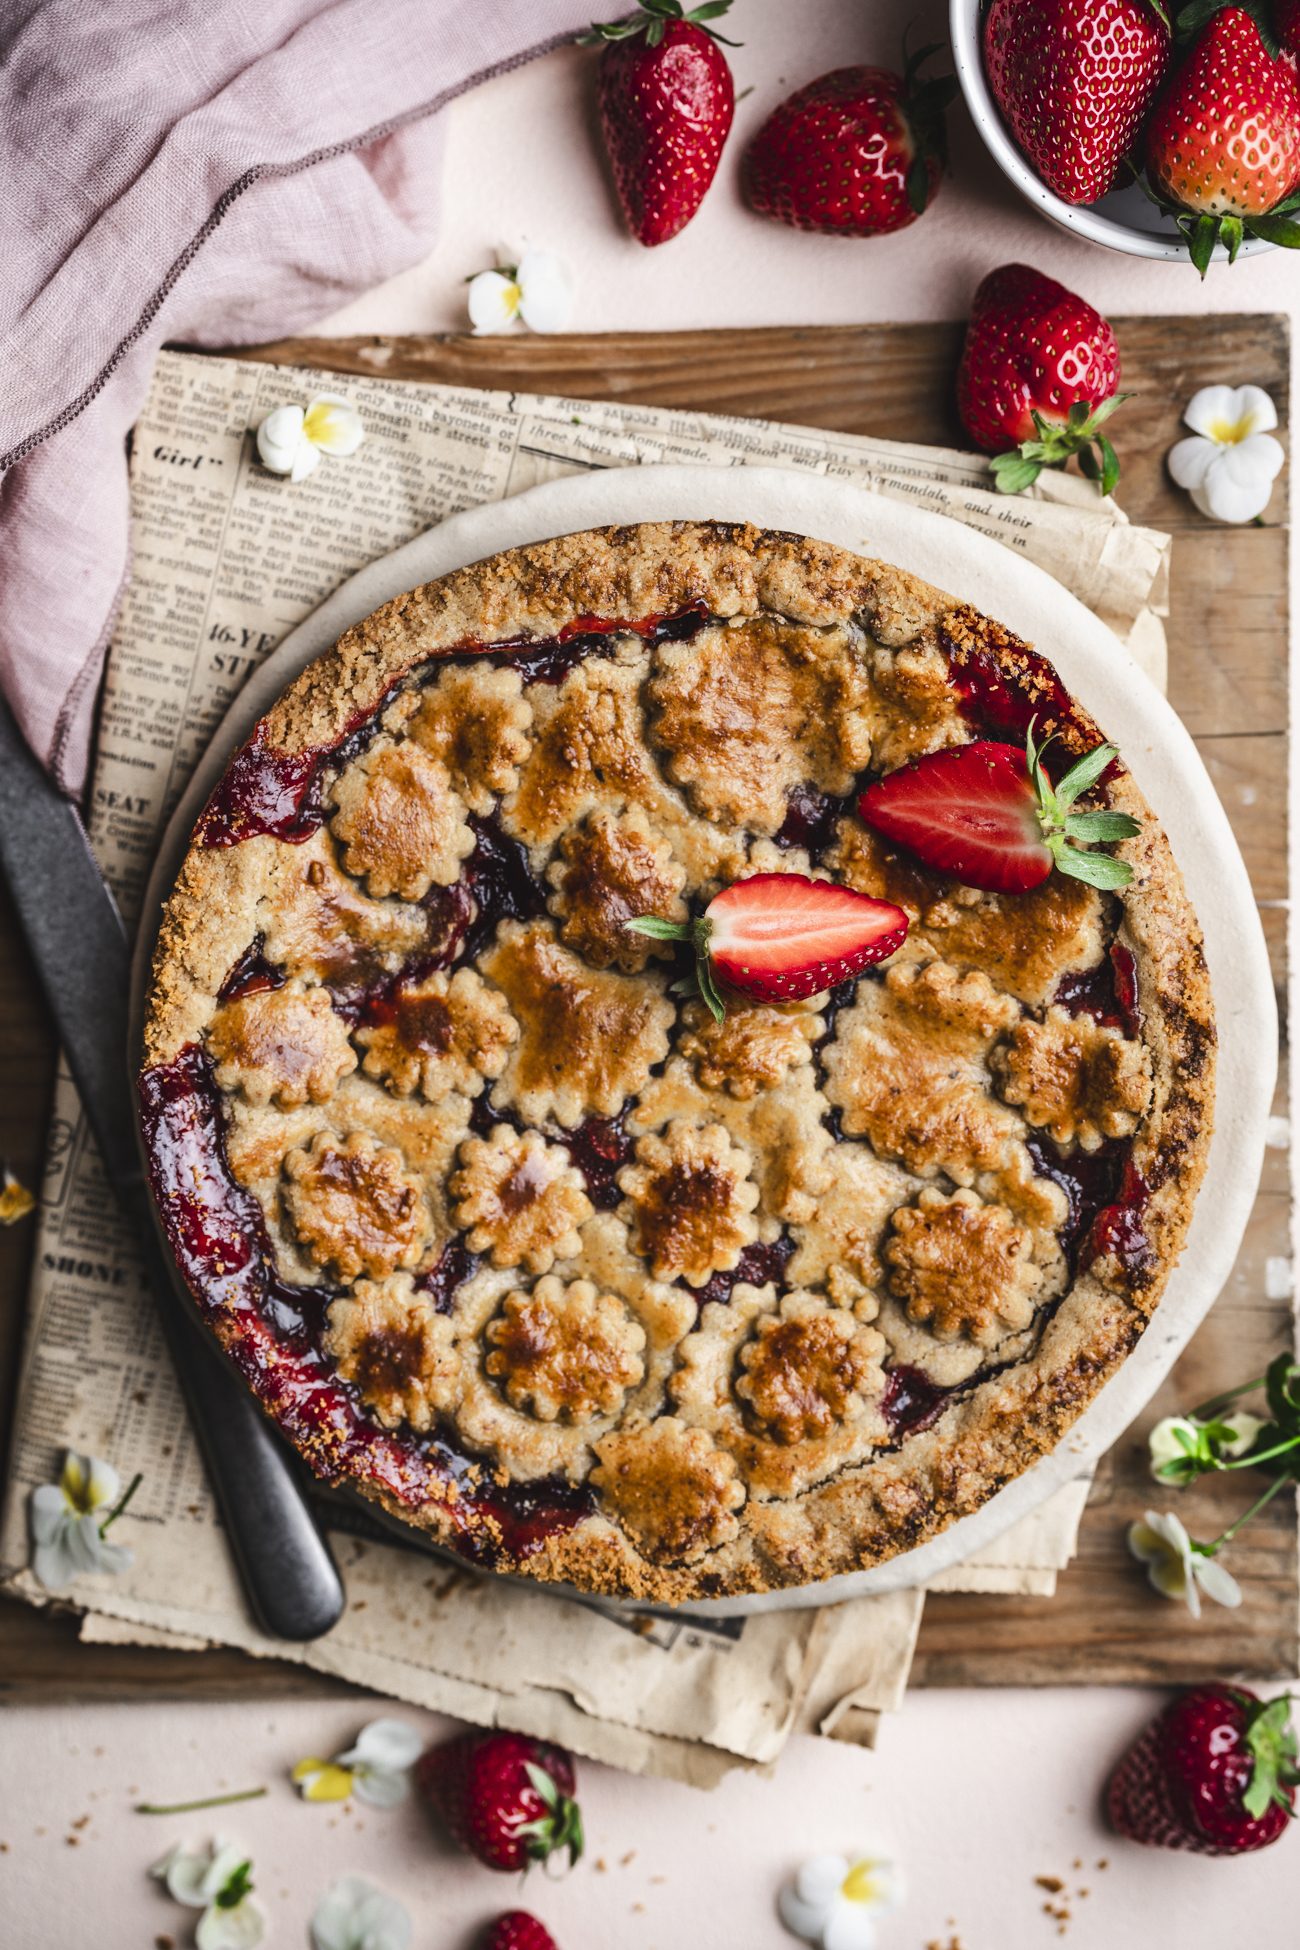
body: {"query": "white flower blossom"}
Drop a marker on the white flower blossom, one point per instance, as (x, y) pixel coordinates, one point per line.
(354, 1915)
(217, 1880)
(1231, 461)
(1172, 1441)
(834, 1901)
(376, 1767)
(1245, 1428)
(291, 439)
(69, 1520)
(537, 290)
(1174, 1565)
(1182, 1448)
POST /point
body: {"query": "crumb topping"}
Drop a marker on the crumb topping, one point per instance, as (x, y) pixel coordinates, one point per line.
(285, 1046)
(566, 1352)
(588, 1038)
(690, 1201)
(444, 1033)
(670, 1487)
(353, 1206)
(402, 827)
(961, 1267)
(519, 1199)
(1081, 1080)
(387, 1339)
(611, 870)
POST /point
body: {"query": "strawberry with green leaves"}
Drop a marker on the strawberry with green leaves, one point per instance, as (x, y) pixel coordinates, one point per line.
(1223, 142)
(780, 937)
(858, 152)
(666, 105)
(988, 815)
(1038, 380)
(1215, 1773)
(505, 1797)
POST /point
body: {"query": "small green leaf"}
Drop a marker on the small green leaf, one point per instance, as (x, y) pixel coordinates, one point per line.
(1012, 473)
(1158, 8)
(1098, 869)
(1101, 826)
(660, 930)
(1109, 465)
(238, 1884)
(543, 1784)
(1275, 229)
(709, 990)
(1077, 417)
(1089, 464)
(918, 185)
(1085, 773)
(1200, 244)
(1230, 236)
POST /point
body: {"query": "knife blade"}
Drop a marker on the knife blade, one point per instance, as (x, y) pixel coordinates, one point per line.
(79, 944)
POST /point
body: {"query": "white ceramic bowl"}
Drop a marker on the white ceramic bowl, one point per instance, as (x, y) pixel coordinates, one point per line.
(1125, 220)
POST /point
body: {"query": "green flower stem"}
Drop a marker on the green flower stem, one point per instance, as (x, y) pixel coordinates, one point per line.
(1208, 1411)
(190, 1807)
(1265, 1455)
(1226, 1537)
(122, 1502)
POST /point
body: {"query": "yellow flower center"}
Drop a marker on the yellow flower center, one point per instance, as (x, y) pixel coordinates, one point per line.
(1230, 433)
(860, 1885)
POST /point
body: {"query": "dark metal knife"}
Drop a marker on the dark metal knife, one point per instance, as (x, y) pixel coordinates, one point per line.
(80, 947)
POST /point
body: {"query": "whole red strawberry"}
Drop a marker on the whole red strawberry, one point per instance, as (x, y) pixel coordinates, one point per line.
(1216, 1773)
(505, 1797)
(666, 103)
(1223, 143)
(1038, 379)
(856, 153)
(1074, 80)
(517, 1930)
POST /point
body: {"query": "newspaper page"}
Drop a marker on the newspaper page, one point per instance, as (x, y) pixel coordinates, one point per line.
(227, 559)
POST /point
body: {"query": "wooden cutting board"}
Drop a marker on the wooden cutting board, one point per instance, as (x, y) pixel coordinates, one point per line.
(1228, 636)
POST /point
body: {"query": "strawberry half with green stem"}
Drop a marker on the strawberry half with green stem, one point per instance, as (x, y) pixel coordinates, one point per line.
(857, 153)
(1074, 80)
(1223, 142)
(666, 105)
(505, 1797)
(1038, 379)
(988, 815)
(779, 937)
(1216, 1773)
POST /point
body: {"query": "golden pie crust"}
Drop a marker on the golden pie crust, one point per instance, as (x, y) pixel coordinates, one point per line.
(607, 1292)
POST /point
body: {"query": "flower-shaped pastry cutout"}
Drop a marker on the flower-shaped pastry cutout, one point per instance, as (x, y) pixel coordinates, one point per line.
(402, 827)
(390, 1341)
(611, 870)
(834, 1901)
(1231, 460)
(218, 1880)
(808, 1368)
(519, 1199)
(475, 723)
(536, 292)
(444, 1033)
(690, 1201)
(376, 1767)
(285, 1045)
(960, 1266)
(70, 1521)
(353, 1205)
(354, 1915)
(753, 1048)
(291, 439)
(1083, 1081)
(565, 1352)
(670, 1487)
(1178, 1567)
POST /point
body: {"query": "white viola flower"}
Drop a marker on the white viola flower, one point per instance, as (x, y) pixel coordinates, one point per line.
(376, 1767)
(218, 1880)
(70, 1520)
(835, 1902)
(537, 290)
(354, 1915)
(1231, 461)
(1245, 1428)
(291, 439)
(1174, 1444)
(1176, 1567)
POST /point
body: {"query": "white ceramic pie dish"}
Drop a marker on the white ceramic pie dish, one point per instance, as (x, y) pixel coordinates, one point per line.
(1104, 677)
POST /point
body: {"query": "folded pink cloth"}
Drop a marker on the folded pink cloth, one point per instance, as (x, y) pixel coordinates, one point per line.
(179, 170)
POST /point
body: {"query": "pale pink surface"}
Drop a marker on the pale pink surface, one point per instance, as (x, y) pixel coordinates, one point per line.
(978, 1793)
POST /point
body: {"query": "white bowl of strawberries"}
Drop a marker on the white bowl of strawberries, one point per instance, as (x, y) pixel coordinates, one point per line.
(1163, 140)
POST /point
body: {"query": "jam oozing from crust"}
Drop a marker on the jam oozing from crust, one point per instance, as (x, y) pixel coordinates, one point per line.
(911, 1401)
(600, 1148)
(455, 1264)
(1108, 1197)
(758, 1264)
(811, 818)
(265, 791)
(1001, 706)
(252, 974)
(272, 1330)
(1107, 993)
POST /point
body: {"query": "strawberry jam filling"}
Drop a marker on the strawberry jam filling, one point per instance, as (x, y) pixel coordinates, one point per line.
(272, 1332)
(1107, 993)
(911, 1401)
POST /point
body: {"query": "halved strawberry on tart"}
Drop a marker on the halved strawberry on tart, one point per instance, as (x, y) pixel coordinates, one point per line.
(678, 1061)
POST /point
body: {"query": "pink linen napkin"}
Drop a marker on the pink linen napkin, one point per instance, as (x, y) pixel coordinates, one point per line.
(204, 171)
